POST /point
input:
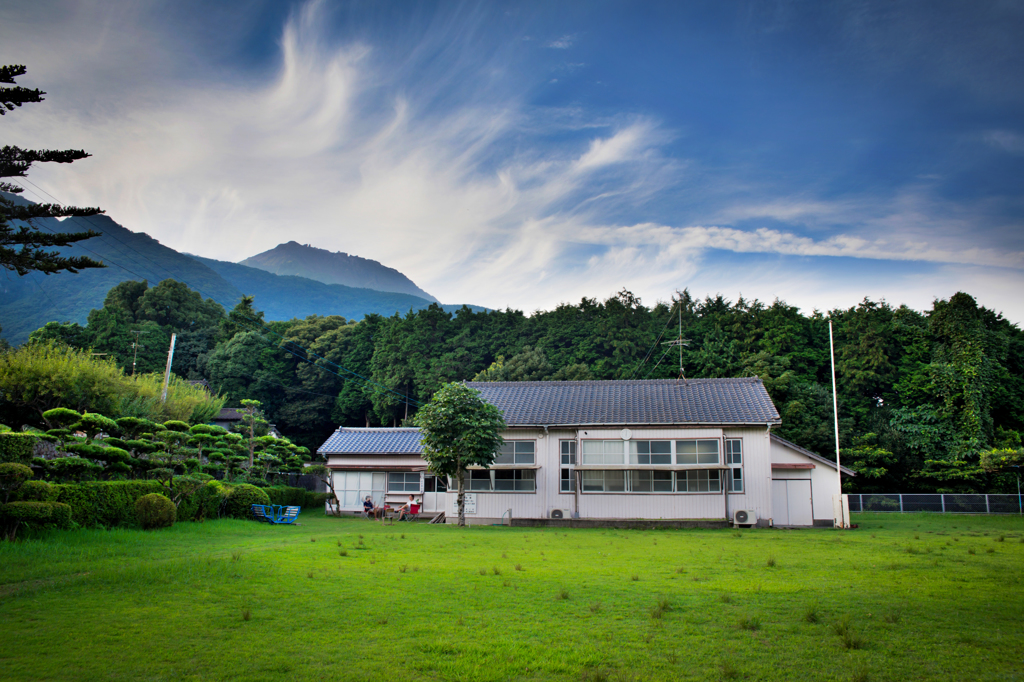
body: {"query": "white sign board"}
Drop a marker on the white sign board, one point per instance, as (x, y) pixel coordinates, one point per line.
(470, 503)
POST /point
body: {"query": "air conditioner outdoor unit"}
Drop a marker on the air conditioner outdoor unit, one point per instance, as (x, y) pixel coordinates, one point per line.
(561, 514)
(744, 517)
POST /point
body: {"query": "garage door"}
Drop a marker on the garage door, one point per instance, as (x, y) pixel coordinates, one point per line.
(791, 502)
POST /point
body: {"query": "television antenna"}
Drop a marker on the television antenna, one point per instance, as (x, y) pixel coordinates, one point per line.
(680, 342)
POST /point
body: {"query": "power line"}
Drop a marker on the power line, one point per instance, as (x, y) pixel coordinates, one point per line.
(656, 342)
(402, 397)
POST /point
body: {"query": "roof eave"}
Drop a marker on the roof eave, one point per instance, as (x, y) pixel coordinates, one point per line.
(613, 425)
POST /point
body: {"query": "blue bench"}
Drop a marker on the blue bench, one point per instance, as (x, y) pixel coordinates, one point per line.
(276, 514)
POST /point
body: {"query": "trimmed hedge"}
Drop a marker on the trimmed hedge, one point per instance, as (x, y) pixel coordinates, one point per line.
(112, 503)
(34, 515)
(155, 511)
(35, 491)
(299, 497)
(105, 503)
(17, 447)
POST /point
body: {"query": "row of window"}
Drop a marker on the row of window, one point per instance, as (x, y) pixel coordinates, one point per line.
(696, 451)
(690, 451)
(690, 481)
(353, 487)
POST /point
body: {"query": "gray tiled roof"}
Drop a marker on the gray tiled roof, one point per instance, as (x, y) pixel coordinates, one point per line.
(400, 441)
(689, 402)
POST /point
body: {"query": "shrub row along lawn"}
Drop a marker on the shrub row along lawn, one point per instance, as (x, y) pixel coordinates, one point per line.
(903, 597)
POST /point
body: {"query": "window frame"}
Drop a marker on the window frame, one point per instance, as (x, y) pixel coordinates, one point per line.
(488, 475)
(697, 453)
(639, 456)
(567, 459)
(734, 460)
(710, 476)
(515, 454)
(405, 482)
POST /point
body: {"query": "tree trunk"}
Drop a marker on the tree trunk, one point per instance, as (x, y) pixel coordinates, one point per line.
(462, 497)
(252, 439)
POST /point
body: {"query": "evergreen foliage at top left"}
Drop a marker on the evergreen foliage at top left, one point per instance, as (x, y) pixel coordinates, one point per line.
(24, 248)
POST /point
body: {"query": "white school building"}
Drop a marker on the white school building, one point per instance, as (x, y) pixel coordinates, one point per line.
(606, 451)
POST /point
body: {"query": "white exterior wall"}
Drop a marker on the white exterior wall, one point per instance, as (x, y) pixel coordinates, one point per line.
(823, 478)
(490, 507)
(757, 472)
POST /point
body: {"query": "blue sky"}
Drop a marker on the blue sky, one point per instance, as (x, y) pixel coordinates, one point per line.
(524, 154)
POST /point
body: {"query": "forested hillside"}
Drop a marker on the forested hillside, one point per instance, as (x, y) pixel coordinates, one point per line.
(30, 301)
(921, 394)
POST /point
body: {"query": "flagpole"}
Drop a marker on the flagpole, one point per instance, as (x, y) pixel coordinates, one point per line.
(838, 507)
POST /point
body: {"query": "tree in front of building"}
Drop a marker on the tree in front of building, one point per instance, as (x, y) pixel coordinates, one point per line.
(460, 429)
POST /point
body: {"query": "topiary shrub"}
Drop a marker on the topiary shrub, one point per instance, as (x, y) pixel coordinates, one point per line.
(35, 515)
(36, 491)
(205, 503)
(108, 503)
(241, 498)
(16, 447)
(12, 477)
(155, 511)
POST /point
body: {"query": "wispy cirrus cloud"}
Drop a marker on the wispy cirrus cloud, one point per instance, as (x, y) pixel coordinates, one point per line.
(465, 184)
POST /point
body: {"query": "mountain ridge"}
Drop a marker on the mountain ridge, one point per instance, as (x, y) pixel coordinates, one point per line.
(29, 302)
(334, 267)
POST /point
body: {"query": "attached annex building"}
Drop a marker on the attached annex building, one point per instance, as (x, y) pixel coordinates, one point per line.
(698, 449)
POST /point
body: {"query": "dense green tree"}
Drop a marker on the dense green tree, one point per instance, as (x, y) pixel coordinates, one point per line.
(459, 430)
(24, 248)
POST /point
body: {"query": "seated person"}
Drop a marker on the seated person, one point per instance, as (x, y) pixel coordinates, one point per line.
(406, 509)
(368, 508)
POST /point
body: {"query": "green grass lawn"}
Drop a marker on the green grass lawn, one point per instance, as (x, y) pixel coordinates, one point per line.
(914, 597)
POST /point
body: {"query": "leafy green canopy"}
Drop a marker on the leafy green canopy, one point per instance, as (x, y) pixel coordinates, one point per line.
(460, 429)
(42, 376)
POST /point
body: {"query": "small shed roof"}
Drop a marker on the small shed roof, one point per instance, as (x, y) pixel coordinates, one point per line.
(687, 402)
(373, 441)
(807, 453)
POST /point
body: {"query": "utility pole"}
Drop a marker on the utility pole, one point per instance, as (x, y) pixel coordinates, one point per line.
(841, 521)
(167, 372)
(135, 348)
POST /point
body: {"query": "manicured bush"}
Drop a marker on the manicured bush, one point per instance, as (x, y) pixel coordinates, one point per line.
(73, 468)
(241, 498)
(12, 477)
(16, 447)
(106, 503)
(287, 495)
(34, 515)
(205, 504)
(35, 491)
(155, 511)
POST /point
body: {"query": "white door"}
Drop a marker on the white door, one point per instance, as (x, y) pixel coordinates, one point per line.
(791, 502)
(801, 513)
(434, 494)
(780, 503)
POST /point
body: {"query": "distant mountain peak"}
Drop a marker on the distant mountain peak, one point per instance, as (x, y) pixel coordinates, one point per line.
(333, 267)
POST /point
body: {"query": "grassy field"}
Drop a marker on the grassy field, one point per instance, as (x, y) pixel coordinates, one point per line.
(912, 597)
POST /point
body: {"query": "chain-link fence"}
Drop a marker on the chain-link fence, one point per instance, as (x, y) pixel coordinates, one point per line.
(942, 503)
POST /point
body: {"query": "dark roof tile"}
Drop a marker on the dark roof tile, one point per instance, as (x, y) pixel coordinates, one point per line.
(399, 441)
(684, 402)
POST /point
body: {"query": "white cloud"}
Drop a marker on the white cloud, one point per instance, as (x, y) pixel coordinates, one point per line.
(1005, 140)
(471, 200)
(563, 43)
